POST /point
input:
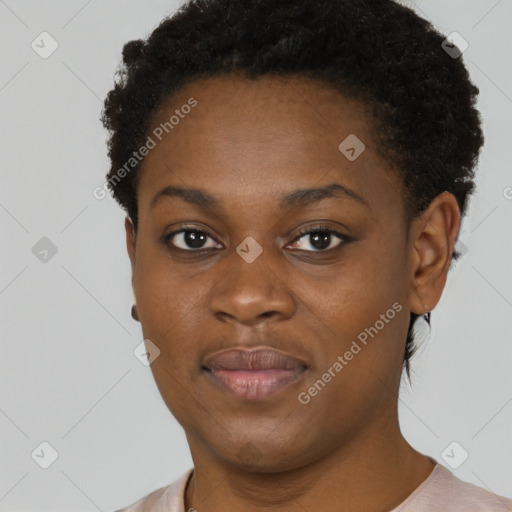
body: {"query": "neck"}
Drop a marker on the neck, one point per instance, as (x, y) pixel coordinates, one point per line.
(374, 472)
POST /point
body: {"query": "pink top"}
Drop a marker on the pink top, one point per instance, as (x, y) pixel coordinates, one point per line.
(442, 491)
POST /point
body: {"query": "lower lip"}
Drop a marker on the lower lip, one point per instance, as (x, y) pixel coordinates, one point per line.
(252, 384)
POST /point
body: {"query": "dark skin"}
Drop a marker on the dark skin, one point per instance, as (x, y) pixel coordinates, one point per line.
(248, 143)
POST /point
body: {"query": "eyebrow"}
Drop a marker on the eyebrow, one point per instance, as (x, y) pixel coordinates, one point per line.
(295, 199)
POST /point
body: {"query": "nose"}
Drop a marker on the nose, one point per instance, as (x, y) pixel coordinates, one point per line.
(252, 293)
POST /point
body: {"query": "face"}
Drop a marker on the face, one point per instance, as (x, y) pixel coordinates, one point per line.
(261, 260)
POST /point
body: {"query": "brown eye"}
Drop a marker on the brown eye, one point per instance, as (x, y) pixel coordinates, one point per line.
(190, 239)
(321, 238)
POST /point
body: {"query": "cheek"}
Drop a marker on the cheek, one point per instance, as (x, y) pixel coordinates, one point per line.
(167, 303)
(168, 309)
(363, 350)
(366, 285)
(364, 304)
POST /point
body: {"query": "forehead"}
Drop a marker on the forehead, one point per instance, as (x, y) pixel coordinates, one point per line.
(261, 138)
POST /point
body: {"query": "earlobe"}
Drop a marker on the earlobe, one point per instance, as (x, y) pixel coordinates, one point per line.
(432, 239)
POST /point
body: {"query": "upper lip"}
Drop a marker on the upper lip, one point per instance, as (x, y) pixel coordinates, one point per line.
(262, 358)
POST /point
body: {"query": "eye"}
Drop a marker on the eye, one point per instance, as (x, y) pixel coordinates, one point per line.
(193, 239)
(189, 238)
(320, 238)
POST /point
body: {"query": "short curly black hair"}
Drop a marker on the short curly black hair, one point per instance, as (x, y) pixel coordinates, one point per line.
(376, 51)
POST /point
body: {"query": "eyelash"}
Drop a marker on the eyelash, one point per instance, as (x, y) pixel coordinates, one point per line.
(306, 231)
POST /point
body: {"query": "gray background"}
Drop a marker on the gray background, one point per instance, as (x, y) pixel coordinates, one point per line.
(68, 373)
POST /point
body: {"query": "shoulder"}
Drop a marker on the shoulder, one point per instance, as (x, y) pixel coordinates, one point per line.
(165, 499)
(444, 492)
(468, 497)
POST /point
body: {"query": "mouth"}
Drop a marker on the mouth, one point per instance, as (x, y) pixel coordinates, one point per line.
(253, 374)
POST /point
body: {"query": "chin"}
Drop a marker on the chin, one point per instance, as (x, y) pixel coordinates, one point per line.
(264, 457)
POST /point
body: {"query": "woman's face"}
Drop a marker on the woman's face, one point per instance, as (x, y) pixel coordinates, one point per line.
(337, 303)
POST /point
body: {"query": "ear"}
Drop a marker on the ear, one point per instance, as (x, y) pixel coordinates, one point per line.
(131, 239)
(432, 238)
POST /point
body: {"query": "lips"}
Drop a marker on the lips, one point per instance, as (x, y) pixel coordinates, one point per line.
(253, 374)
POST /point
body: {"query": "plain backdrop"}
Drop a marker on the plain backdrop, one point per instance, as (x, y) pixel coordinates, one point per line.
(68, 374)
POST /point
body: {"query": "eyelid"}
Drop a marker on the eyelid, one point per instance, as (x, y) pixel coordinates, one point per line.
(317, 228)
